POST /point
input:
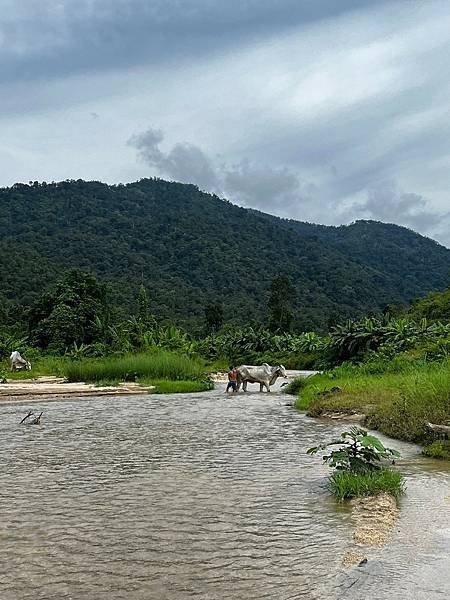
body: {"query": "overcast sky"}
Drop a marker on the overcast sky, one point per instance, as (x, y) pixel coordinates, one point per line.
(320, 110)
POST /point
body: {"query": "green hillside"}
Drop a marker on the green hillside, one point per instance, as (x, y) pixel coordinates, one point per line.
(190, 248)
(435, 307)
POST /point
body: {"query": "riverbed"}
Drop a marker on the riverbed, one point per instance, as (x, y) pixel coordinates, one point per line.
(199, 496)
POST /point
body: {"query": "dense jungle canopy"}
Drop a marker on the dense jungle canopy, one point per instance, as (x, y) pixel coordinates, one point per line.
(191, 249)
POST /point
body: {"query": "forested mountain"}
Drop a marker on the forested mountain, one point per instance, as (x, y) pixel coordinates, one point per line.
(190, 248)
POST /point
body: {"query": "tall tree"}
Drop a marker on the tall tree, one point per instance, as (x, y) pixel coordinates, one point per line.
(281, 303)
(69, 312)
(146, 316)
(213, 317)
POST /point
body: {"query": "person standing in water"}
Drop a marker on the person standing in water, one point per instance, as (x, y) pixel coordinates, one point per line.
(232, 379)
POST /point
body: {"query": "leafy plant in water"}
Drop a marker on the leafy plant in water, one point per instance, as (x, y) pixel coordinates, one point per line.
(358, 452)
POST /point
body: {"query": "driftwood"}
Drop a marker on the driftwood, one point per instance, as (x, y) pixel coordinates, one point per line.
(443, 430)
(35, 421)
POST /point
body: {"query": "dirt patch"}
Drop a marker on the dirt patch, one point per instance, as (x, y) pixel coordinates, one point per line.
(352, 558)
(375, 519)
(54, 388)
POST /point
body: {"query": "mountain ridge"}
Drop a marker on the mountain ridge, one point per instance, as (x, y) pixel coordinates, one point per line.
(190, 248)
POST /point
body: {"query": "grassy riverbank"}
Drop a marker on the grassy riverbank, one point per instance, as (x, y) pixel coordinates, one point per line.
(167, 371)
(132, 367)
(397, 402)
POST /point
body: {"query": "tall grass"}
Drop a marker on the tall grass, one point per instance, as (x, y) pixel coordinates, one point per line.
(345, 484)
(397, 403)
(132, 367)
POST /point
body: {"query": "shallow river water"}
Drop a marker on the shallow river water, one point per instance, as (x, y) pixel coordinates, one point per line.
(198, 496)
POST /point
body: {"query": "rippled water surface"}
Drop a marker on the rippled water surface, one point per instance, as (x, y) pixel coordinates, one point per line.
(200, 495)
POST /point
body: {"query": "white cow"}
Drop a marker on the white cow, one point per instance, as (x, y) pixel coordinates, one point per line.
(18, 363)
(265, 375)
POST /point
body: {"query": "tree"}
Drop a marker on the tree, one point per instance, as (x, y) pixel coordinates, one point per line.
(213, 317)
(69, 312)
(145, 315)
(280, 305)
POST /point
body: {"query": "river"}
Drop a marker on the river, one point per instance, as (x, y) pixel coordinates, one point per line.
(199, 496)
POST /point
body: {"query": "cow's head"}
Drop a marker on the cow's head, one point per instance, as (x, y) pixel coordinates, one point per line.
(281, 371)
(28, 366)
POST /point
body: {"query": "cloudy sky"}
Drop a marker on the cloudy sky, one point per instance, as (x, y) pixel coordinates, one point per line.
(320, 110)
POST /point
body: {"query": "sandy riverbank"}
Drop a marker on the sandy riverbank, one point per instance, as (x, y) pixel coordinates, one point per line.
(55, 388)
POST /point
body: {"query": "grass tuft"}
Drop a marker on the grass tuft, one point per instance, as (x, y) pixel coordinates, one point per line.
(345, 485)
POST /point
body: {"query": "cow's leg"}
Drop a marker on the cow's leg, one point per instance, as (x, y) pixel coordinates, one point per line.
(261, 387)
(267, 386)
(244, 385)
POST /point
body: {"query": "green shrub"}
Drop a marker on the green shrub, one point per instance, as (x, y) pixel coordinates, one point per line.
(345, 484)
(438, 449)
(295, 386)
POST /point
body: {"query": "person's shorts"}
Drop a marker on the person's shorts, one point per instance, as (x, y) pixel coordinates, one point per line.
(232, 384)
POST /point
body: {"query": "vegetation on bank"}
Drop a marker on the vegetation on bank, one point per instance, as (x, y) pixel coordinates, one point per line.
(438, 449)
(397, 402)
(384, 366)
(136, 367)
(394, 371)
(357, 459)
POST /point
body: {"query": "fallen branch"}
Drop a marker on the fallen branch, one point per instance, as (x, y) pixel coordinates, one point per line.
(26, 417)
(440, 429)
(35, 421)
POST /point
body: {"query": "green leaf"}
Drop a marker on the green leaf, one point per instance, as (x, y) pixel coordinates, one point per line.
(371, 440)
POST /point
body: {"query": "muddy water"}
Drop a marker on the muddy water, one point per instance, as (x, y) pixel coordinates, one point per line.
(198, 496)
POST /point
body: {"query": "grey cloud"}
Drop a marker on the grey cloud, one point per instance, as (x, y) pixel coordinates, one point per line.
(257, 183)
(281, 191)
(184, 162)
(54, 38)
(147, 143)
(386, 202)
(276, 190)
(307, 103)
